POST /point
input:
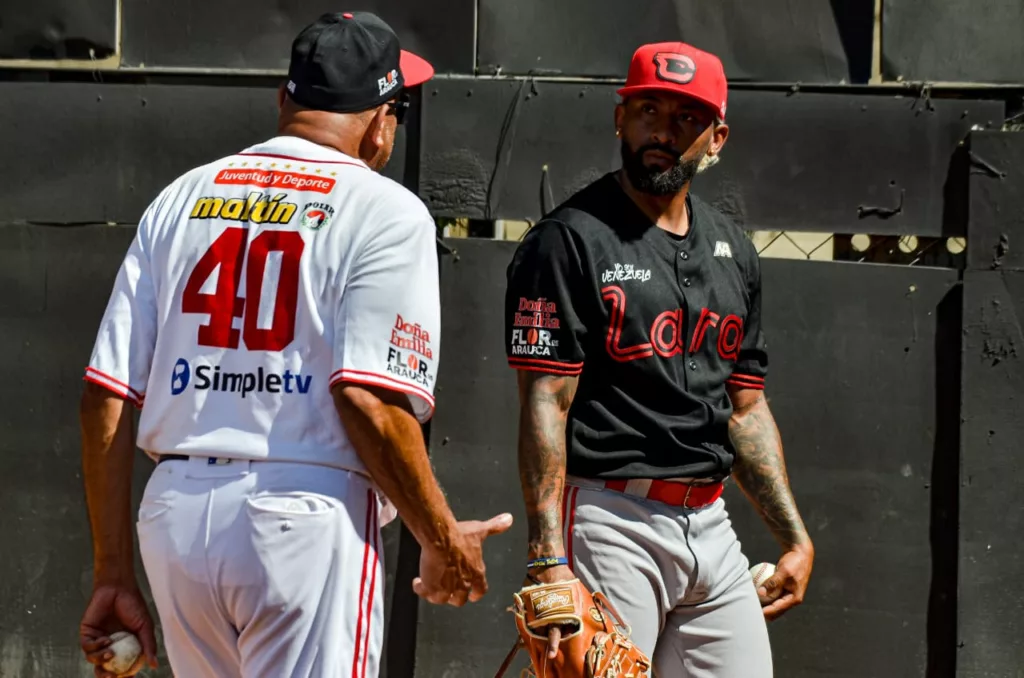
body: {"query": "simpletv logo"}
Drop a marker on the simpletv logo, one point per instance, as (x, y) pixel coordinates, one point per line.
(210, 378)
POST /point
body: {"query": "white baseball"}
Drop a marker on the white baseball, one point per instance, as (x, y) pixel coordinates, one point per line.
(126, 649)
(761, 573)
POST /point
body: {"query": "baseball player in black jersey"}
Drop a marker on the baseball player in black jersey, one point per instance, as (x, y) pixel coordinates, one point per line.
(633, 317)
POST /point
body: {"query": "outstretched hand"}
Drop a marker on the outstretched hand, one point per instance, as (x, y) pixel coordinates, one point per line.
(457, 574)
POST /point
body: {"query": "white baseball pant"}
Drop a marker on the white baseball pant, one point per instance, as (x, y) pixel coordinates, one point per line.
(677, 576)
(264, 569)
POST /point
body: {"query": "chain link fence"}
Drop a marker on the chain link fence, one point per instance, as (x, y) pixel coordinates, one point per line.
(906, 250)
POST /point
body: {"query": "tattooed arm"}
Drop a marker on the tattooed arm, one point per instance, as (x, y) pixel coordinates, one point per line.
(544, 401)
(760, 472)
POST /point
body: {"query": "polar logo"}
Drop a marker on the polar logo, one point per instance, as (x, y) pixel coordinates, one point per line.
(677, 68)
(180, 376)
(316, 215)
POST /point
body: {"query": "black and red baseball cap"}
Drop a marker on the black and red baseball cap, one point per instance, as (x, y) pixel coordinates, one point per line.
(347, 62)
(679, 68)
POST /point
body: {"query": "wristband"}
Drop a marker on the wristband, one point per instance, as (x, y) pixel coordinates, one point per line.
(550, 561)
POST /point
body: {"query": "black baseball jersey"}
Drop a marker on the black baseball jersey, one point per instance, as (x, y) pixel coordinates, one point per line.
(654, 324)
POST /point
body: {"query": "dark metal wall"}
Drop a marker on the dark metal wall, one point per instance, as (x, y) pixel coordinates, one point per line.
(54, 282)
(538, 37)
(247, 35)
(793, 161)
(953, 40)
(991, 510)
(902, 443)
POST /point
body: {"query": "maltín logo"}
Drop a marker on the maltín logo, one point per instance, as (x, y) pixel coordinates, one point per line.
(211, 378)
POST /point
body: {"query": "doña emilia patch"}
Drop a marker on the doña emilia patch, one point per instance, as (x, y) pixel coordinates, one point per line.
(316, 215)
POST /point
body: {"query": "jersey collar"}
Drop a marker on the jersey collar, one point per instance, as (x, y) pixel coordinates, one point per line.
(632, 217)
(303, 150)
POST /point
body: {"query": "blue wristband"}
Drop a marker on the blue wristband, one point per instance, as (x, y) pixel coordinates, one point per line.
(550, 561)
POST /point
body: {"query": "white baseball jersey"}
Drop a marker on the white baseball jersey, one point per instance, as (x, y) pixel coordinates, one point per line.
(254, 284)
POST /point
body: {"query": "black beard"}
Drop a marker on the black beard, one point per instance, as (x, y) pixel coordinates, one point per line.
(652, 180)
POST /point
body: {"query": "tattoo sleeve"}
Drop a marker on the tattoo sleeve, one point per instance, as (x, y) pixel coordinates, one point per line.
(760, 469)
(544, 408)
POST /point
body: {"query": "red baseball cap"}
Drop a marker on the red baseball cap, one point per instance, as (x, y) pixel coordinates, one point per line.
(679, 68)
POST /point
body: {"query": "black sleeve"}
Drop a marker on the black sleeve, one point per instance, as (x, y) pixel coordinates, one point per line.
(751, 368)
(543, 330)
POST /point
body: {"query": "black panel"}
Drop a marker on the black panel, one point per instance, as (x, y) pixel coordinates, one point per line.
(473, 436)
(773, 40)
(992, 515)
(237, 34)
(953, 40)
(854, 388)
(101, 153)
(814, 162)
(995, 236)
(56, 283)
(58, 29)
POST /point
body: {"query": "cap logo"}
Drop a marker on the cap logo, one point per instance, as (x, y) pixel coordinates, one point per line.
(673, 67)
(388, 82)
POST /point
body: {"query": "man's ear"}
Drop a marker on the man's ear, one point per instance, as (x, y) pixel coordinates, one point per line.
(374, 135)
(376, 129)
(718, 138)
(620, 114)
(282, 94)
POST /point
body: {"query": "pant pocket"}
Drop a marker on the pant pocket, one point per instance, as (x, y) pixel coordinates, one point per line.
(294, 544)
(150, 510)
(157, 497)
(293, 504)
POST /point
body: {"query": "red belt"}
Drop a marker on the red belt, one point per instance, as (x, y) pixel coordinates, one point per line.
(673, 494)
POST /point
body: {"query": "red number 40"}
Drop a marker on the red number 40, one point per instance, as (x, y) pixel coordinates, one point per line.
(228, 253)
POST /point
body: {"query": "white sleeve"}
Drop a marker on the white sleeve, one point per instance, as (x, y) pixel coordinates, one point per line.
(123, 351)
(388, 324)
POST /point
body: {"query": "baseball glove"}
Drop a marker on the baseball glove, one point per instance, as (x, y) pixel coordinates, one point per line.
(591, 645)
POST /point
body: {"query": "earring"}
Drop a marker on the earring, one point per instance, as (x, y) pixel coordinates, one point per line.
(618, 132)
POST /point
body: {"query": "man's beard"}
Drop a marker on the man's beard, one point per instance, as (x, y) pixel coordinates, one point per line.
(651, 180)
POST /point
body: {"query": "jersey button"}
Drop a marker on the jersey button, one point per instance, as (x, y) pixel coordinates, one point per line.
(686, 282)
(693, 364)
(684, 255)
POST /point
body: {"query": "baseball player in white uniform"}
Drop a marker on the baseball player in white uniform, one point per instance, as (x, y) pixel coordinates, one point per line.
(278, 315)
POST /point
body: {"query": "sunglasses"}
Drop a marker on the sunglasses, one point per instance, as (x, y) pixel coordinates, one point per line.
(400, 107)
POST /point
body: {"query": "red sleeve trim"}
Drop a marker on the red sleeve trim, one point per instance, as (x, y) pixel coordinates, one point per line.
(115, 386)
(546, 363)
(746, 381)
(374, 379)
(547, 366)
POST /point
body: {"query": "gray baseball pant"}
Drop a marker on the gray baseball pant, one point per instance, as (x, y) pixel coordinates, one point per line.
(677, 576)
